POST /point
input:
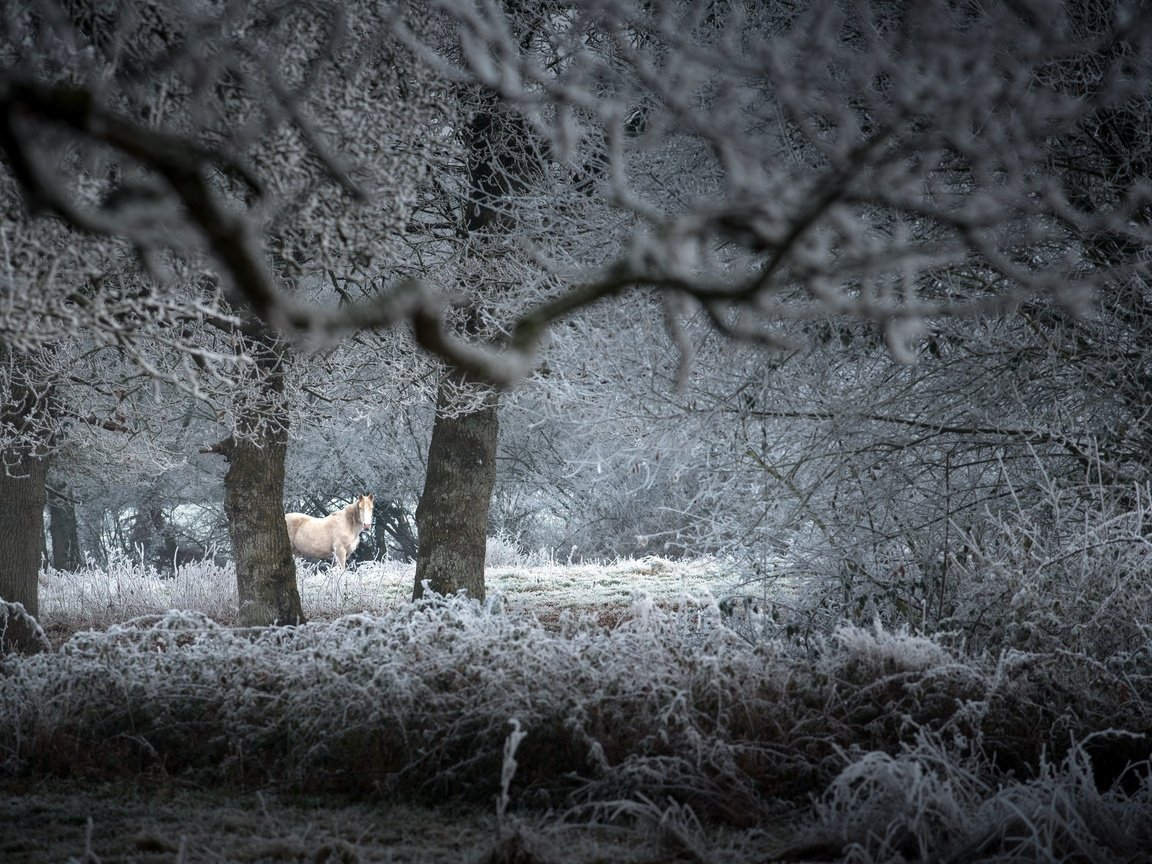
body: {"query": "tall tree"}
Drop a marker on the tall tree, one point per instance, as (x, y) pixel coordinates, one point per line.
(42, 396)
(26, 430)
(254, 495)
(64, 530)
(452, 516)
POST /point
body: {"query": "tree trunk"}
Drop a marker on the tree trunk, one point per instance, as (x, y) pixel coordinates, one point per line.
(254, 495)
(253, 503)
(26, 415)
(22, 499)
(64, 532)
(452, 516)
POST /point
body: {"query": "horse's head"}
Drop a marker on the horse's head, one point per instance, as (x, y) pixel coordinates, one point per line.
(364, 506)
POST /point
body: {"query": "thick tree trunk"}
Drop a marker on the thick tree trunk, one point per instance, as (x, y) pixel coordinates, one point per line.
(22, 499)
(452, 516)
(253, 503)
(254, 494)
(65, 533)
(26, 415)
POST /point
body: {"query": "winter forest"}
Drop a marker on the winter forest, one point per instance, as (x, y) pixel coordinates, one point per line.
(755, 400)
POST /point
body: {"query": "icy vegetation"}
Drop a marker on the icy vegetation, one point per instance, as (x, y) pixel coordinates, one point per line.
(94, 597)
(662, 724)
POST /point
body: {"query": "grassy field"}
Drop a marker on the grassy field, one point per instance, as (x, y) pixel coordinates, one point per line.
(99, 597)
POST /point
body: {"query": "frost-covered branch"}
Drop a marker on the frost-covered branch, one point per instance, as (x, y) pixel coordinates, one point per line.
(769, 164)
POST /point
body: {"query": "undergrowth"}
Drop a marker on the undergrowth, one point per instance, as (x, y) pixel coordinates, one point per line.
(907, 747)
(1064, 569)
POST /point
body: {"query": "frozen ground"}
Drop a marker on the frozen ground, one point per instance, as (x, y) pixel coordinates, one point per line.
(544, 590)
(160, 823)
(95, 597)
(70, 822)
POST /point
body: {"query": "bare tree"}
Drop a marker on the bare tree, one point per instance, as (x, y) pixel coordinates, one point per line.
(46, 402)
(452, 516)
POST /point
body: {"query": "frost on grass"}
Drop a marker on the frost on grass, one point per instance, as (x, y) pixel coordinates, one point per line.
(884, 650)
(97, 597)
(667, 718)
(923, 805)
(414, 702)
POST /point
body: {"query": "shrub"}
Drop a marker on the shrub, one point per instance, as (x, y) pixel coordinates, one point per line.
(666, 706)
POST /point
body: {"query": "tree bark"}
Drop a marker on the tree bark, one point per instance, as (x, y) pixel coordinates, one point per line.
(452, 516)
(254, 497)
(26, 414)
(64, 532)
(22, 499)
(253, 503)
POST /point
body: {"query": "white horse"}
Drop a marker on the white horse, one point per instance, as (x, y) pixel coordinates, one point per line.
(335, 536)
